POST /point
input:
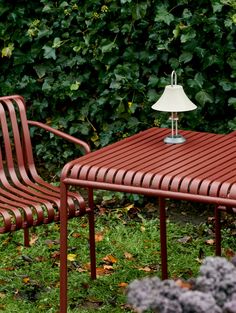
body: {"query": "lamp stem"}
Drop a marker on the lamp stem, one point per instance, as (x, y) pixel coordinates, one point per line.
(172, 124)
(176, 124)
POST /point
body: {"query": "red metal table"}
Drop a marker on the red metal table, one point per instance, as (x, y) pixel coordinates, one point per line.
(202, 169)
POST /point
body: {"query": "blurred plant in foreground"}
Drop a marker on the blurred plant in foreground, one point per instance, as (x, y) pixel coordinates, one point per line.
(213, 291)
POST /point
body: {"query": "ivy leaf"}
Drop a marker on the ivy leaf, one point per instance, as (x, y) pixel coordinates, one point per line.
(217, 7)
(185, 57)
(203, 97)
(232, 102)
(75, 86)
(7, 51)
(108, 47)
(40, 70)
(57, 42)
(189, 35)
(49, 52)
(226, 85)
(164, 16)
(198, 78)
(139, 11)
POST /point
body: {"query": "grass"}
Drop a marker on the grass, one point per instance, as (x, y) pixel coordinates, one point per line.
(128, 247)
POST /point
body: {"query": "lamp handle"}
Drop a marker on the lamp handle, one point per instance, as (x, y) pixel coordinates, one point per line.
(173, 74)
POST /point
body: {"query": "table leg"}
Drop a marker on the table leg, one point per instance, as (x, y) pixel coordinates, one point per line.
(92, 235)
(63, 249)
(163, 240)
(217, 231)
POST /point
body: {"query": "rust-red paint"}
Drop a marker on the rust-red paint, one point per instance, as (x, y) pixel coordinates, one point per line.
(25, 198)
(202, 169)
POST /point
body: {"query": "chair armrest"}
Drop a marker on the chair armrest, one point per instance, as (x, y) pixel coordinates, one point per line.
(61, 134)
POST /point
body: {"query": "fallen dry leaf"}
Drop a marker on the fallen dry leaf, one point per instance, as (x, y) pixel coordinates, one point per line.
(210, 242)
(199, 260)
(101, 271)
(185, 239)
(99, 236)
(26, 280)
(229, 253)
(108, 267)
(55, 255)
(211, 219)
(128, 207)
(33, 239)
(123, 285)
(145, 269)
(128, 256)
(76, 235)
(110, 259)
(142, 228)
(183, 284)
(71, 257)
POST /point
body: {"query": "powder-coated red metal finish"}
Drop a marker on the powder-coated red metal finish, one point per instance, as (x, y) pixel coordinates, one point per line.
(25, 198)
(202, 169)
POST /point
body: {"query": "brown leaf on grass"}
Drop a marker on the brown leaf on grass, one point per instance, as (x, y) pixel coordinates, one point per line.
(185, 239)
(145, 269)
(128, 256)
(26, 280)
(101, 271)
(183, 284)
(76, 235)
(102, 210)
(33, 239)
(108, 267)
(110, 259)
(99, 236)
(55, 255)
(128, 207)
(40, 258)
(210, 242)
(123, 285)
(210, 219)
(50, 243)
(8, 268)
(229, 253)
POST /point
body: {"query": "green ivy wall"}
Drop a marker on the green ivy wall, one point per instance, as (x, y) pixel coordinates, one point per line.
(94, 68)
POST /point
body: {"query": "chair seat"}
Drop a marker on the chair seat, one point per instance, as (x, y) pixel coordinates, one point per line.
(34, 205)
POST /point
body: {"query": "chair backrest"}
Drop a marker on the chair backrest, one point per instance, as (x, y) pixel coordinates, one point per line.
(16, 155)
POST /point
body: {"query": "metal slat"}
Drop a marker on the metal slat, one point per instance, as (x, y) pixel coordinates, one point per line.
(143, 160)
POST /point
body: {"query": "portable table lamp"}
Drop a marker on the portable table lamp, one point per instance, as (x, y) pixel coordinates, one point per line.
(174, 100)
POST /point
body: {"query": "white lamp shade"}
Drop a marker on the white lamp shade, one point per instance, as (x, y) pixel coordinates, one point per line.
(174, 99)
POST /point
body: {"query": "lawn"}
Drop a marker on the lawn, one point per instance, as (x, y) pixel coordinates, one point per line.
(128, 247)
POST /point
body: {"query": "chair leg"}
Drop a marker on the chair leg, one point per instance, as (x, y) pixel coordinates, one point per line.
(63, 249)
(217, 231)
(26, 237)
(92, 235)
(163, 238)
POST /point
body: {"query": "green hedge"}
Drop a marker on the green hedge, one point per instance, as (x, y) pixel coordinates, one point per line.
(94, 68)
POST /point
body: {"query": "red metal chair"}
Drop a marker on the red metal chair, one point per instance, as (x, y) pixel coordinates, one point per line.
(25, 198)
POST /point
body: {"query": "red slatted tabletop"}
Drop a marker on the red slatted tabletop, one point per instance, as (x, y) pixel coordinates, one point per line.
(201, 169)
